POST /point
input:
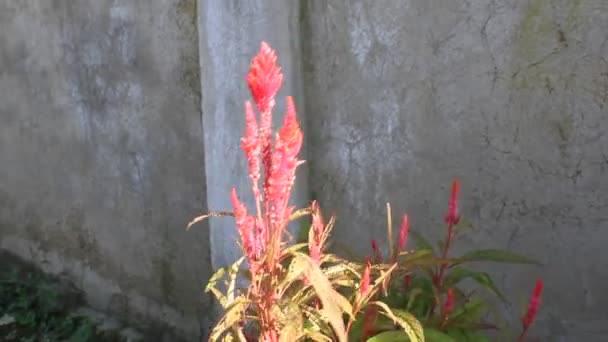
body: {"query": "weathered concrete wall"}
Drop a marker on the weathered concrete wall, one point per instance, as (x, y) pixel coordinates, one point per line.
(230, 34)
(510, 96)
(101, 143)
(101, 152)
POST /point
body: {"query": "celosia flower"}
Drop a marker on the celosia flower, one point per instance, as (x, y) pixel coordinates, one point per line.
(452, 216)
(533, 306)
(284, 164)
(251, 146)
(376, 251)
(405, 227)
(366, 278)
(264, 78)
(448, 306)
(245, 225)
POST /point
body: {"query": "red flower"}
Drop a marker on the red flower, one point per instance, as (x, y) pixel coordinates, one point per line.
(533, 306)
(448, 306)
(264, 78)
(284, 164)
(452, 216)
(245, 225)
(376, 250)
(405, 227)
(366, 279)
(315, 241)
(407, 280)
(251, 146)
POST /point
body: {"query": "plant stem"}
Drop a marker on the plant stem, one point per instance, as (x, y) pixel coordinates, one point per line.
(521, 336)
(446, 247)
(439, 276)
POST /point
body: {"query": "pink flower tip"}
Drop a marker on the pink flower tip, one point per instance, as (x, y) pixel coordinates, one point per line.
(449, 303)
(376, 250)
(533, 305)
(264, 78)
(452, 216)
(366, 278)
(405, 227)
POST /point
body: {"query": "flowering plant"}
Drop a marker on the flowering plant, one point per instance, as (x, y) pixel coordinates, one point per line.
(426, 283)
(299, 291)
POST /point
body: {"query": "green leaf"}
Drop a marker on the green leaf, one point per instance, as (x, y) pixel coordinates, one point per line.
(467, 335)
(232, 275)
(475, 336)
(299, 213)
(496, 255)
(458, 274)
(472, 311)
(232, 271)
(293, 324)
(406, 257)
(305, 226)
(233, 314)
(390, 336)
(421, 241)
(406, 321)
(433, 335)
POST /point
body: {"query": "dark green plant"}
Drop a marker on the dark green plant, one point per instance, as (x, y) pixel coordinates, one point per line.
(427, 283)
(39, 312)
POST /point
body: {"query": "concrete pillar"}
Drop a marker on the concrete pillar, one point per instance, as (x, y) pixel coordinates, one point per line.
(230, 33)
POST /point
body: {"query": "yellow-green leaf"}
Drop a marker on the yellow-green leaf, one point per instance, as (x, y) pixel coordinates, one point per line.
(433, 335)
(333, 302)
(233, 314)
(406, 321)
(232, 275)
(206, 216)
(390, 336)
(299, 213)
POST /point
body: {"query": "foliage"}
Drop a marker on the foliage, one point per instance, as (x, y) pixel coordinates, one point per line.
(297, 290)
(427, 283)
(32, 309)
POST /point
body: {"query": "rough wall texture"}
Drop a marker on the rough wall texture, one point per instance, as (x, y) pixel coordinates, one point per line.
(230, 35)
(101, 152)
(101, 142)
(510, 96)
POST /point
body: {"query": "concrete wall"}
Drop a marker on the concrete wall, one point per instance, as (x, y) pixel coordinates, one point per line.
(510, 96)
(101, 152)
(102, 140)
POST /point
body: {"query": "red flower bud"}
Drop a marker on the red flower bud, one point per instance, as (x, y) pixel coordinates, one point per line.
(452, 215)
(376, 251)
(533, 306)
(366, 278)
(407, 280)
(448, 306)
(405, 227)
(264, 78)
